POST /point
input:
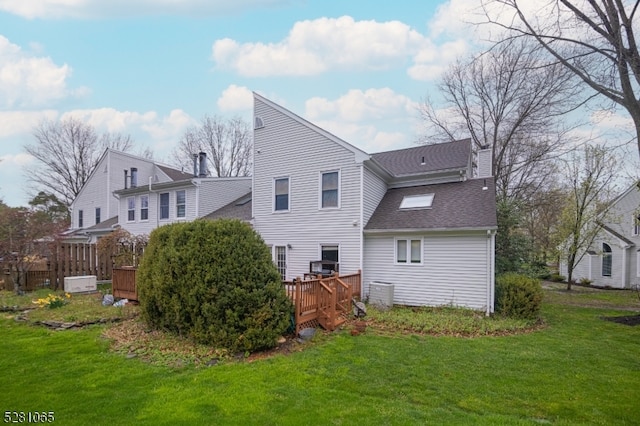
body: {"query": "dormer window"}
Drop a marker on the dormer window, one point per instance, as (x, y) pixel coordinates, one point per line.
(422, 201)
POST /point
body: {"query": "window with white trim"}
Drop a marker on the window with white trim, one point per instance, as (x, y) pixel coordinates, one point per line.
(131, 209)
(144, 207)
(281, 261)
(636, 224)
(281, 194)
(330, 189)
(607, 259)
(181, 203)
(80, 219)
(408, 251)
(97, 215)
(164, 205)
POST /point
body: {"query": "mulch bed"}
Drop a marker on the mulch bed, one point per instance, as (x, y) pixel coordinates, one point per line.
(626, 320)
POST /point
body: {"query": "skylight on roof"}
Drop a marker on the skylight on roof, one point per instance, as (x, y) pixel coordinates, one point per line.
(416, 201)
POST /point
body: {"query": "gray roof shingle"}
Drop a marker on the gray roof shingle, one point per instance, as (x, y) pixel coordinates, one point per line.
(442, 156)
(238, 209)
(456, 205)
(175, 174)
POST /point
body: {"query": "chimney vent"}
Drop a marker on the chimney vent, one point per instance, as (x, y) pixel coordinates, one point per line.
(203, 164)
(134, 177)
(195, 165)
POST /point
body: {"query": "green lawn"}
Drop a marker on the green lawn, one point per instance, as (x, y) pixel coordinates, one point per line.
(577, 369)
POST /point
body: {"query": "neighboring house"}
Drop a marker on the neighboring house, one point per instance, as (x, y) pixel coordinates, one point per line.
(138, 195)
(416, 218)
(95, 205)
(613, 259)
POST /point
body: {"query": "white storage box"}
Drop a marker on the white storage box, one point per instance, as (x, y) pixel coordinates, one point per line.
(381, 294)
(83, 283)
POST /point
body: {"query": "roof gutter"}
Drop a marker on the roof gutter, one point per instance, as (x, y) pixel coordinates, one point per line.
(422, 230)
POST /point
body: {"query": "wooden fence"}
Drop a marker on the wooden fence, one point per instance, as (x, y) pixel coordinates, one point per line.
(323, 301)
(123, 283)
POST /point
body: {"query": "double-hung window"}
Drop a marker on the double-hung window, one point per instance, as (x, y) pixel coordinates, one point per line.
(164, 205)
(409, 251)
(330, 190)
(281, 194)
(181, 203)
(144, 207)
(131, 209)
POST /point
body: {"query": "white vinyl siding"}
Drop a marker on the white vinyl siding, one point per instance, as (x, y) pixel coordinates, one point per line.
(287, 148)
(214, 193)
(455, 270)
(374, 190)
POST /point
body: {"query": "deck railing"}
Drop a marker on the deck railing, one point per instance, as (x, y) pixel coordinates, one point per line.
(322, 301)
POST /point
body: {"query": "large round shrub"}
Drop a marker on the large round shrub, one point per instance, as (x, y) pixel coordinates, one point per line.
(518, 296)
(213, 281)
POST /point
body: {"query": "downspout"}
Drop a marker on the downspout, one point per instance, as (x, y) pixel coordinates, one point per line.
(490, 271)
(151, 191)
(361, 222)
(197, 183)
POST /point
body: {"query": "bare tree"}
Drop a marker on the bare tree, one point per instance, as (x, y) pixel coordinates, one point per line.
(503, 98)
(66, 153)
(589, 175)
(26, 236)
(227, 142)
(593, 39)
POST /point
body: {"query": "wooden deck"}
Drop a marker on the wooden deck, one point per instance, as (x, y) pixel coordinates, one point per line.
(323, 301)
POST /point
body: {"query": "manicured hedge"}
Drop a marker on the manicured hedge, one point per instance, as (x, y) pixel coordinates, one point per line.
(518, 296)
(213, 281)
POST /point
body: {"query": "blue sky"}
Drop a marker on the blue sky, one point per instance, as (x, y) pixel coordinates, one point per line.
(152, 68)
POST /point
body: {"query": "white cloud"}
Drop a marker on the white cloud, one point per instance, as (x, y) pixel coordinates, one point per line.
(14, 123)
(99, 8)
(357, 105)
(235, 98)
(16, 160)
(367, 119)
(316, 46)
(27, 80)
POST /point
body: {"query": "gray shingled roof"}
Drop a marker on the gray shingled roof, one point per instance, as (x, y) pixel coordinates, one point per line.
(238, 209)
(440, 156)
(104, 225)
(455, 205)
(175, 174)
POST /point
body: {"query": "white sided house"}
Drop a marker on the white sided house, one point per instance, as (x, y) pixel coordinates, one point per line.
(138, 195)
(613, 259)
(144, 207)
(417, 218)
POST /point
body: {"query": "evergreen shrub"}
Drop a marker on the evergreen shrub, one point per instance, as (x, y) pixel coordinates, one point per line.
(215, 282)
(518, 296)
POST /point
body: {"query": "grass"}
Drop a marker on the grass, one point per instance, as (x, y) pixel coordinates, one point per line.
(77, 307)
(578, 369)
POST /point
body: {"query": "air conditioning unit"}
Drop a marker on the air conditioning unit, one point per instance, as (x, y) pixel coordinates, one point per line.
(81, 284)
(381, 294)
